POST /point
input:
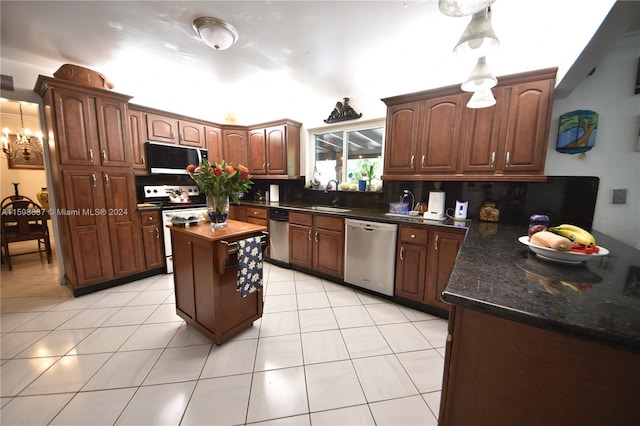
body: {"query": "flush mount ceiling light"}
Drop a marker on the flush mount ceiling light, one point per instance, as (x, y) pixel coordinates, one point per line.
(481, 78)
(478, 39)
(216, 33)
(457, 8)
(482, 99)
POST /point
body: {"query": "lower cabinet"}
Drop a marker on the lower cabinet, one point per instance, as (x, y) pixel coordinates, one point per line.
(317, 242)
(257, 215)
(152, 239)
(237, 212)
(424, 260)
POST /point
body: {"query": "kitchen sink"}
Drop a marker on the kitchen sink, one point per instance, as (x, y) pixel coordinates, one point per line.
(330, 209)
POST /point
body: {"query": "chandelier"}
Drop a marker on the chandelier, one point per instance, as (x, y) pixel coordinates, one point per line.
(23, 143)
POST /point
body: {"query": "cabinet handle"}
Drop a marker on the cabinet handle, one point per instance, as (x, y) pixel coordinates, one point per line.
(104, 156)
(437, 237)
(309, 234)
(508, 158)
(268, 166)
(412, 158)
(413, 235)
(316, 236)
(157, 233)
(95, 181)
(493, 158)
(150, 219)
(264, 165)
(143, 160)
(172, 136)
(422, 161)
(91, 154)
(401, 253)
(106, 180)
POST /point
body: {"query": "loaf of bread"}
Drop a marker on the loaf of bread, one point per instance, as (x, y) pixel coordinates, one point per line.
(551, 240)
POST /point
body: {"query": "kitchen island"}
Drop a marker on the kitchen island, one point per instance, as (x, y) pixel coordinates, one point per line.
(534, 342)
(205, 278)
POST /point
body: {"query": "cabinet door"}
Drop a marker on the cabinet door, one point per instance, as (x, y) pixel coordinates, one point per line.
(161, 128)
(75, 123)
(138, 138)
(440, 135)
(257, 152)
(235, 147)
(213, 143)
(191, 134)
(481, 136)
(113, 133)
(276, 146)
(401, 138)
(300, 245)
(126, 248)
(527, 127)
(184, 283)
(88, 227)
(237, 212)
(411, 264)
(442, 258)
(152, 240)
(328, 252)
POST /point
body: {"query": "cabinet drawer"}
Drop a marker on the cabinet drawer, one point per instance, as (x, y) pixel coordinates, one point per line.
(329, 222)
(148, 217)
(257, 212)
(300, 218)
(417, 236)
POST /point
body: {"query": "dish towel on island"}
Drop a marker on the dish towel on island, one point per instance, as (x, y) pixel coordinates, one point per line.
(249, 265)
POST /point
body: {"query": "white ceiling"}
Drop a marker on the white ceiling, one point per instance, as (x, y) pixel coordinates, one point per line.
(293, 58)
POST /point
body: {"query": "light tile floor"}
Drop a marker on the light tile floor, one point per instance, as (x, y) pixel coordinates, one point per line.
(322, 354)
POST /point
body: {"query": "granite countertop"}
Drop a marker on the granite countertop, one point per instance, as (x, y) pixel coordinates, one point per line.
(598, 299)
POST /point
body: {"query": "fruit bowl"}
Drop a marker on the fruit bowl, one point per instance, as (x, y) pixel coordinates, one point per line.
(553, 255)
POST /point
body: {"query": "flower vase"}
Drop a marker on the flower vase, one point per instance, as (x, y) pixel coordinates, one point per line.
(218, 210)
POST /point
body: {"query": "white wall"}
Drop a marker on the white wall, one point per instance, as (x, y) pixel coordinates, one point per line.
(614, 159)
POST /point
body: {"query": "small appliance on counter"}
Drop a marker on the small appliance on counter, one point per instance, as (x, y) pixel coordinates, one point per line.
(274, 193)
(435, 208)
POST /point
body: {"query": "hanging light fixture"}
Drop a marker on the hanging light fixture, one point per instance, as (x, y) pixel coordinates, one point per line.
(481, 78)
(482, 99)
(23, 140)
(458, 8)
(216, 33)
(478, 39)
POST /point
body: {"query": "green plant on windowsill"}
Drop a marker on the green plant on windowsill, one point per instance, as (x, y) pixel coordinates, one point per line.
(368, 171)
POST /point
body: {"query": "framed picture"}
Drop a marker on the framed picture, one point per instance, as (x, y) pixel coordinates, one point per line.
(18, 161)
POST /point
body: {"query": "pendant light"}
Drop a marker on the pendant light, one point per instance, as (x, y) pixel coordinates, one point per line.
(458, 8)
(481, 78)
(216, 33)
(478, 39)
(482, 99)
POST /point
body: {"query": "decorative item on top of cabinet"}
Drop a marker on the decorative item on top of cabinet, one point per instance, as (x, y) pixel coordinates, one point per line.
(274, 149)
(342, 112)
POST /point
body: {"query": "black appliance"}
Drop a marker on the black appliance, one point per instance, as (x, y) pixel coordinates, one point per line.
(164, 158)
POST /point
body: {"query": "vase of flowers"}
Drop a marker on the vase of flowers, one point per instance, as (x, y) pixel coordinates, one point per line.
(220, 182)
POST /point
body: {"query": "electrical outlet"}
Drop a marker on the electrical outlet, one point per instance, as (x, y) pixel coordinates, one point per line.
(619, 196)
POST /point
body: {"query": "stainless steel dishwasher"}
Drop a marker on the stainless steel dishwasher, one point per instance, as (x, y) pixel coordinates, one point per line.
(279, 236)
(370, 255)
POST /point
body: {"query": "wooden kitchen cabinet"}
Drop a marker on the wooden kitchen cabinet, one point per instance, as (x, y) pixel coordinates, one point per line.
(431, 135)
(235, 144)
(424, 261)
(138, 131)
(274, 149)
(92, 130)
(176, 130)
(152, 239)
(502, 372)
(237, 212)
(317, 242)
(213, 143)
(257, 215)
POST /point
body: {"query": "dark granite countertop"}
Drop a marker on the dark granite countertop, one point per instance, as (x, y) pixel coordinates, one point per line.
(598, 299)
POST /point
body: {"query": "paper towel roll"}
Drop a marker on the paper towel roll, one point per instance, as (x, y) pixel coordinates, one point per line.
(274, 193)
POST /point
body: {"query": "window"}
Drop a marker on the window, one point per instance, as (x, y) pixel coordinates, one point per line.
(363, 147)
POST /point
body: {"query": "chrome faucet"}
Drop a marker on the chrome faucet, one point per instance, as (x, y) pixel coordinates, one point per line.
(406, 193)
(326, 188)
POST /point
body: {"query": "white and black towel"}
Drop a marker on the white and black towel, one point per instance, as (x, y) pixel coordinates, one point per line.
(249, 265)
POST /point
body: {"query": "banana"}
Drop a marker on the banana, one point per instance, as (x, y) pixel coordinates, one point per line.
(575, 234)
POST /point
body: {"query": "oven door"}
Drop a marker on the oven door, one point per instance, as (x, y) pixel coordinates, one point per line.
(167, 215)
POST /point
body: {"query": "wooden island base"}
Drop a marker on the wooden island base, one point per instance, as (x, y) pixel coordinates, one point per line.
(205, 268)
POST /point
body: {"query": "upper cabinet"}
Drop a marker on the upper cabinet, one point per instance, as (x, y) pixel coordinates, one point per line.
(213, 143)
(432, 135)
(138, 138)
(172, 129)
(234, 144)
(274, 149)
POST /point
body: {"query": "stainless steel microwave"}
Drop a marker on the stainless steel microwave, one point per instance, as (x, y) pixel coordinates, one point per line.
(164, 158)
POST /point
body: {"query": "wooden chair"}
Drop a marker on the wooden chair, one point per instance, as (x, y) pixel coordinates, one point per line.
(24, 220)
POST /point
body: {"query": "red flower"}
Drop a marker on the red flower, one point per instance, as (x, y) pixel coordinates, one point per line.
(244, 175)
(191, 168)
(217, 171)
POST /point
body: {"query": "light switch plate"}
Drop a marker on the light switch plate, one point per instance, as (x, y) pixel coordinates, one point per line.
(619, 196)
